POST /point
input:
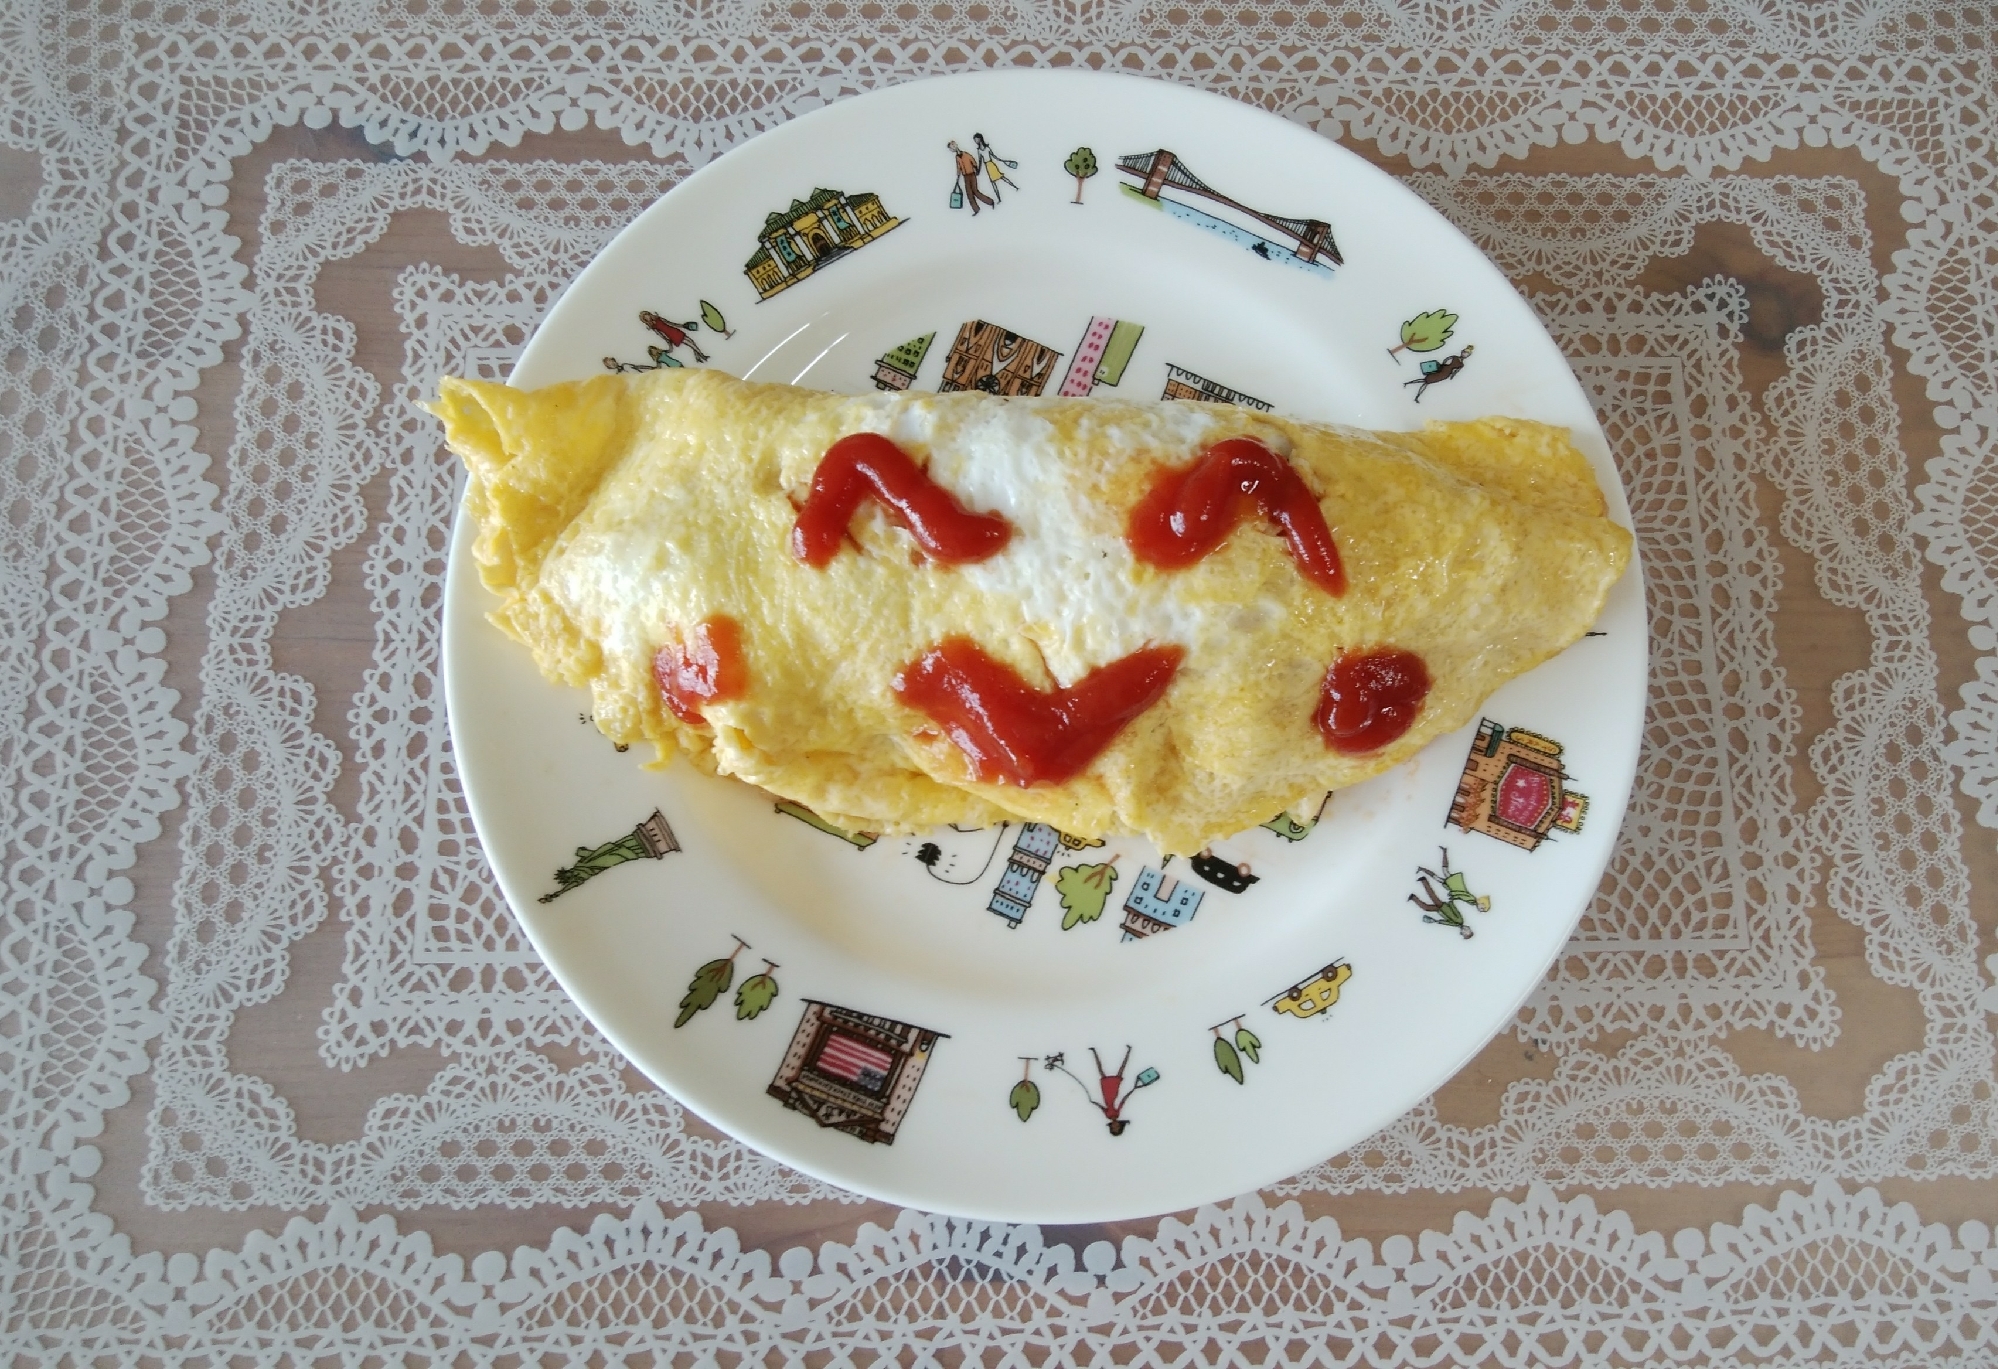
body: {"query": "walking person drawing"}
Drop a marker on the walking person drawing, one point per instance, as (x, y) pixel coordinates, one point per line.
(967, 172)
(995, 165)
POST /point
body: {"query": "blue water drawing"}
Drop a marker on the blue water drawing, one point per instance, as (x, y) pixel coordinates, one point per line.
(1263, 247)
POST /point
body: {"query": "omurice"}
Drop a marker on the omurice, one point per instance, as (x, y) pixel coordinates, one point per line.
(903, 610)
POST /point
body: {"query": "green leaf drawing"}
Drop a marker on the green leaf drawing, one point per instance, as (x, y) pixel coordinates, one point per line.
(706, 986)
(1025, 1097)
(1427, 332)
(1084, 889)
(713, 318)
(1249, 1044)
(1225, 1058)
(757, 993)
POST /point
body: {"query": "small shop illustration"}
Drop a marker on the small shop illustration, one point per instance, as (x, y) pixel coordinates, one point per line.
(853, 1071)
(985, 356)
(1101, 356)
(1184, 384)
(812, 234)
(651, 839)
(1445, 894)
(1158, 903)
(1514, 788)
(1311, 997)
(896, 368)
(1306, 244)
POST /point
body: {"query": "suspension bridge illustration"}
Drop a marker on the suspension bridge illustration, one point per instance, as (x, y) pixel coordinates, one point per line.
(1311, 238)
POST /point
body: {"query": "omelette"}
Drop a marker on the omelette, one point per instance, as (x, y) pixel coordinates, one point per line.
(1098, 650)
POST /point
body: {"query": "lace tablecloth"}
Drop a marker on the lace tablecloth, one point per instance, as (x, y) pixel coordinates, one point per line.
(281, 1079)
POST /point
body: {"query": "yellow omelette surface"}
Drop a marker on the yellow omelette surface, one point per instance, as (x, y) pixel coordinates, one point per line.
(616, 512)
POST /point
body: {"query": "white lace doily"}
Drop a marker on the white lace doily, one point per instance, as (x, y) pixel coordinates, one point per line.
(121, 286)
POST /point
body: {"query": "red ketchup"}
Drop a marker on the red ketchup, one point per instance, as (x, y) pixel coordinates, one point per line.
(868, 465)
(706, 666)
(1015, 734)
(1190, 511)
(1370, 698)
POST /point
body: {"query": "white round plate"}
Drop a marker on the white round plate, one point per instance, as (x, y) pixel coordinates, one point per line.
(999, 1023)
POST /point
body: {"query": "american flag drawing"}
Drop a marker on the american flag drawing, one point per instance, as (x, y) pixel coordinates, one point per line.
(848, 1058)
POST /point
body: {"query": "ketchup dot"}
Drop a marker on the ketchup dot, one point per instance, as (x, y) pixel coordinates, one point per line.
(1370, 698)
(706, 666)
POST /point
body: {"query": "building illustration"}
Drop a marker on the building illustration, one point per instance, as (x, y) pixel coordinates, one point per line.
(896, 368)
(1158, 903)
(1032, 850)
(1101, 356)
(852, 1071)
(1184, 384)
(987, 357)
(1514, 788)
(813, 233)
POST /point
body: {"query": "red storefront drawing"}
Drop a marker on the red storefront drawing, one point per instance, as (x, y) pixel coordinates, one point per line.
(1515, 789)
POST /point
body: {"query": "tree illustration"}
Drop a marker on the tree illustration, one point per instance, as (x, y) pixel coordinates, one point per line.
(758, 992)
(1426, 332)
(1084, 889)
(1081, 164)
(1228, 1054)
(1026, 1095)
(713, 318)
(709, 983)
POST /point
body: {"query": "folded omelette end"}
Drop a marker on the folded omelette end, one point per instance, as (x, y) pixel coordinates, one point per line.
(694, 550)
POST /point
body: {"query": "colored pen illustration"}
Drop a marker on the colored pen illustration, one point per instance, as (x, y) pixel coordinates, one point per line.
(1514, 788)
(1303, 243)
(1312, 996)
(1425, 333)
(1442, 891)
(853, 1071)
(651, 839)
